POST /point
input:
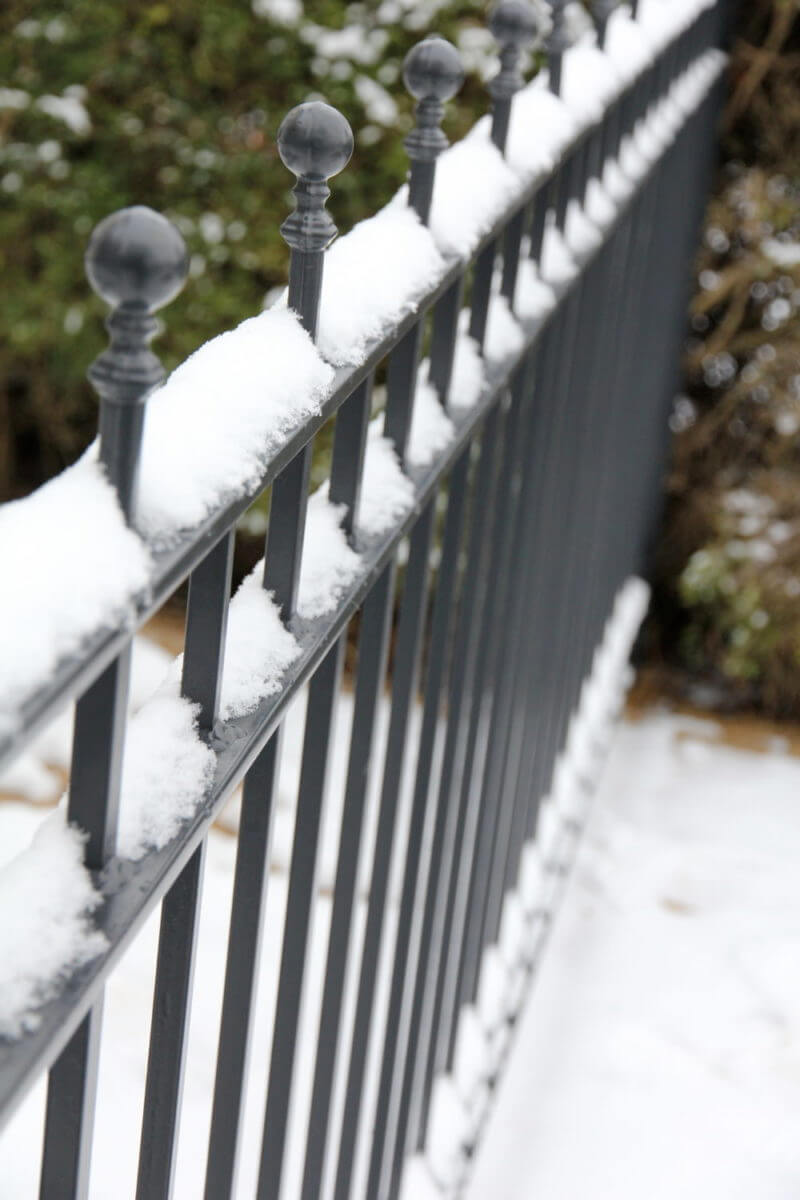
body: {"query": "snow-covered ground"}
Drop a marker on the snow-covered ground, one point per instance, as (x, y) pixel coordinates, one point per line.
(658, 1054)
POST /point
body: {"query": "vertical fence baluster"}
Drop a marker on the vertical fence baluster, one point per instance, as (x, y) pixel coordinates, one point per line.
(168, 1031)
(556, 43)
(347, 459)
(404, 682)
(399, 1050)
(206, 622)
(315, 142)
(583, 390)
(479, 814)
(372, 656)
(443, 338)
(322, 692)
(467, 681)
(345, 487)
(514, 25)
(137, 262)
(433, 73)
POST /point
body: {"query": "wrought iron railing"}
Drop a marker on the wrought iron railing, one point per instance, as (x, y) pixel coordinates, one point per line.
(547, 486)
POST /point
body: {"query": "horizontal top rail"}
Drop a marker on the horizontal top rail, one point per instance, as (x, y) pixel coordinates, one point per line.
(665, 90)
(172, 565)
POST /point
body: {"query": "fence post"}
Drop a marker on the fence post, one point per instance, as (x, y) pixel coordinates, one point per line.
(315, 142)
(556, 43)
(432, 73)
(514, 25)
(137, 262)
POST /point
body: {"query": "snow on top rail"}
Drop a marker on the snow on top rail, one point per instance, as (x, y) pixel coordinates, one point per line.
(238, 409)
(265, 663)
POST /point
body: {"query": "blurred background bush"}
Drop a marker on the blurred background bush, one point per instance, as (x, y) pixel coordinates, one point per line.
(175, 104)
(727, 611)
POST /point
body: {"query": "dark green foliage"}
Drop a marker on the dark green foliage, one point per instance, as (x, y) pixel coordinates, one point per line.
(728, 567)
(184, 100)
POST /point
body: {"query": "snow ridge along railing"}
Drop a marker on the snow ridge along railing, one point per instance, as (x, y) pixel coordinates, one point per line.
(536, 423)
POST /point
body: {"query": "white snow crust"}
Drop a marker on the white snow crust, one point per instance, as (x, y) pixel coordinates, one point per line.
(431, 428)
(46, 897)
(212, 428)
(259, 648)
(466, 383)
(541, 127)
(386, 493)
(329, 564)
(72, 568)
(473, 186)
(504, 335)
(373, 277)
(166, 770)
(209, 433)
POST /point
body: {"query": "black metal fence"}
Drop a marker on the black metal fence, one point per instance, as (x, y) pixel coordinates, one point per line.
(548, 489)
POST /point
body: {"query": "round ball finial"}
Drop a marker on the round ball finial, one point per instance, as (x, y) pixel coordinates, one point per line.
(558, 39)
(315, 141)
(136, 259)
(433, 70)
(513, 22)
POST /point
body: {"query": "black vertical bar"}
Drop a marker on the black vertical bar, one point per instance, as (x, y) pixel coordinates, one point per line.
(512, 240)
(136, 261)
(314, 142)
(316, 743)
(168, 1032)
(466, 780)
(401, 378)
(287, 522)
(404, 681)
(206, 623)
(345, 484)
(439, 640)
(443, 338)
(373, 646)
(241, 970)
(482, 292)
(474, 604)
(347, 462)
(69, 1117)
(96, 767)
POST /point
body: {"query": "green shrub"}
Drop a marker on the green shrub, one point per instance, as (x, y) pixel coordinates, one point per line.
(175, 104)
(728, 564)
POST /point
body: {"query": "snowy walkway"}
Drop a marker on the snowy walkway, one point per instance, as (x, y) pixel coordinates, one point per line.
(659, 1052)
(658, 1057)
